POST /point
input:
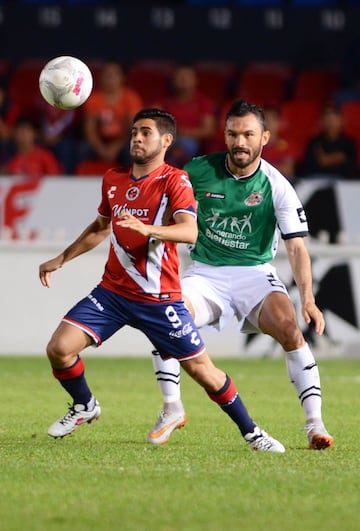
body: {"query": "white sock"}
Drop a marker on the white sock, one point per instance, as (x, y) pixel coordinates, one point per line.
(91, 404)
(304, 375)
(167, 373)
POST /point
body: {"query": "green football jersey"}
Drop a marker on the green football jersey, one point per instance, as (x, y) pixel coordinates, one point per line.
(240, 219)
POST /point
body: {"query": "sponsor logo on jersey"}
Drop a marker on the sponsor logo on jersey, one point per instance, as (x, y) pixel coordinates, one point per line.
(229, 230)
(232, 224)
(138, 212)
(302, 215)
(227, 239)
(111, 192)
(185, 181)
(255, 198)
(164, 296)
(132, 193)
(182, 332)
(214, 195)
(98, 304)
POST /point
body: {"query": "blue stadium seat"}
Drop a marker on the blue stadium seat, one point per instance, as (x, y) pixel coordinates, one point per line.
(314, 3)
(210, 2)
(259, 3)
(65, 2)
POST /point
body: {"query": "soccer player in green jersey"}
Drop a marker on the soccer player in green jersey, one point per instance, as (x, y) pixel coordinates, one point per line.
(244, 206)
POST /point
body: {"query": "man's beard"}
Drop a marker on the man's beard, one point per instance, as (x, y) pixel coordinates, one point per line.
(144, 158)
(242, 165)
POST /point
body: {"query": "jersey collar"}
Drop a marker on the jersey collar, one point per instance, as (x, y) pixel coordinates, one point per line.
(236, 177)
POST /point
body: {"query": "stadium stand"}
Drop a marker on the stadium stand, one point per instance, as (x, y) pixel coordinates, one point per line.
(299, 120)
(317, 84)
(264, 83)
(150, 78)
(350, 111)
(216, 79)
(298, 94)
(90, 167)
(25, 74)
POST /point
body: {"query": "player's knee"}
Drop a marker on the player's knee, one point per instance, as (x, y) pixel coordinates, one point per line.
(197, 368)
(57, 351)
(290, 336)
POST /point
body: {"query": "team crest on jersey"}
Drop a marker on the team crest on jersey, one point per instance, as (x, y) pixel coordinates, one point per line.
(255, 198)
(132, 193)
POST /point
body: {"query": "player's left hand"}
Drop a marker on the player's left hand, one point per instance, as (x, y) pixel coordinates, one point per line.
(312, 313)
(131, 222)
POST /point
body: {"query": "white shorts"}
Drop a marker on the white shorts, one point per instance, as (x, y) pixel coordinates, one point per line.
(220, 293)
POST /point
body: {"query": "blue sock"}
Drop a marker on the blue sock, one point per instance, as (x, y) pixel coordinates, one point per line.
(230, 402)
(73, 381)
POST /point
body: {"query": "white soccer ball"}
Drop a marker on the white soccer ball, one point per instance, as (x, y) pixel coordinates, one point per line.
(65, 82)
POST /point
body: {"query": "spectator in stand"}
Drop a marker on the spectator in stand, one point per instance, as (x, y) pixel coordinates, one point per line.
(331, 153)
(107, 117)
(194, 113)
(59, 132)
(9, 113)
(278, 150)
(30, 160)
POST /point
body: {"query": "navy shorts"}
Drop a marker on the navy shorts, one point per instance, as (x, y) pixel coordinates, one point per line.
(169, 326)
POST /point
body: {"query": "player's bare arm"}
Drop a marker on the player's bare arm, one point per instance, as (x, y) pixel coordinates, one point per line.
(184, 231)
(92, 236)
(301, 267)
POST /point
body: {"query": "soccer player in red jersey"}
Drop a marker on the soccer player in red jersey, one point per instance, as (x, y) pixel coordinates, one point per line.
(146, 208)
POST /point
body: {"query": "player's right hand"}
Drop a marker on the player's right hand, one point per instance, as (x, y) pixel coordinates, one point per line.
(46, 269)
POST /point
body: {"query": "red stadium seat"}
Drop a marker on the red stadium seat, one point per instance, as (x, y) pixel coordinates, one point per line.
(23, 85)
(350, 111)
(264, 83)
(93, 168)
(300, 120)
(95, 66)
(315, 84)
(219, 141)
(215, 78)
(150, 78)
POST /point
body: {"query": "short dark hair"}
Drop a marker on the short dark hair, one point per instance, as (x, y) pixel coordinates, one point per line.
(165, 122)
(25, 121)
(242, 108)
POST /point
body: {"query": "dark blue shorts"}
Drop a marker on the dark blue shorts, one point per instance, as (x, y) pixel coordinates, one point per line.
(169, 326)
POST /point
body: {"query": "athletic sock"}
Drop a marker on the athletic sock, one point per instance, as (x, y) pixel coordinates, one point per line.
(304, 375)
(174, 407)
(230, 402)
(167, 373)
(73, 381)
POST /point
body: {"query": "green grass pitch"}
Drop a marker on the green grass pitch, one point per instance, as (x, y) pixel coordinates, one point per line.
(105, 477)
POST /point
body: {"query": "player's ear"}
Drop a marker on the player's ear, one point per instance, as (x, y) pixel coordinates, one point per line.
(168, 140)
(265, 137)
